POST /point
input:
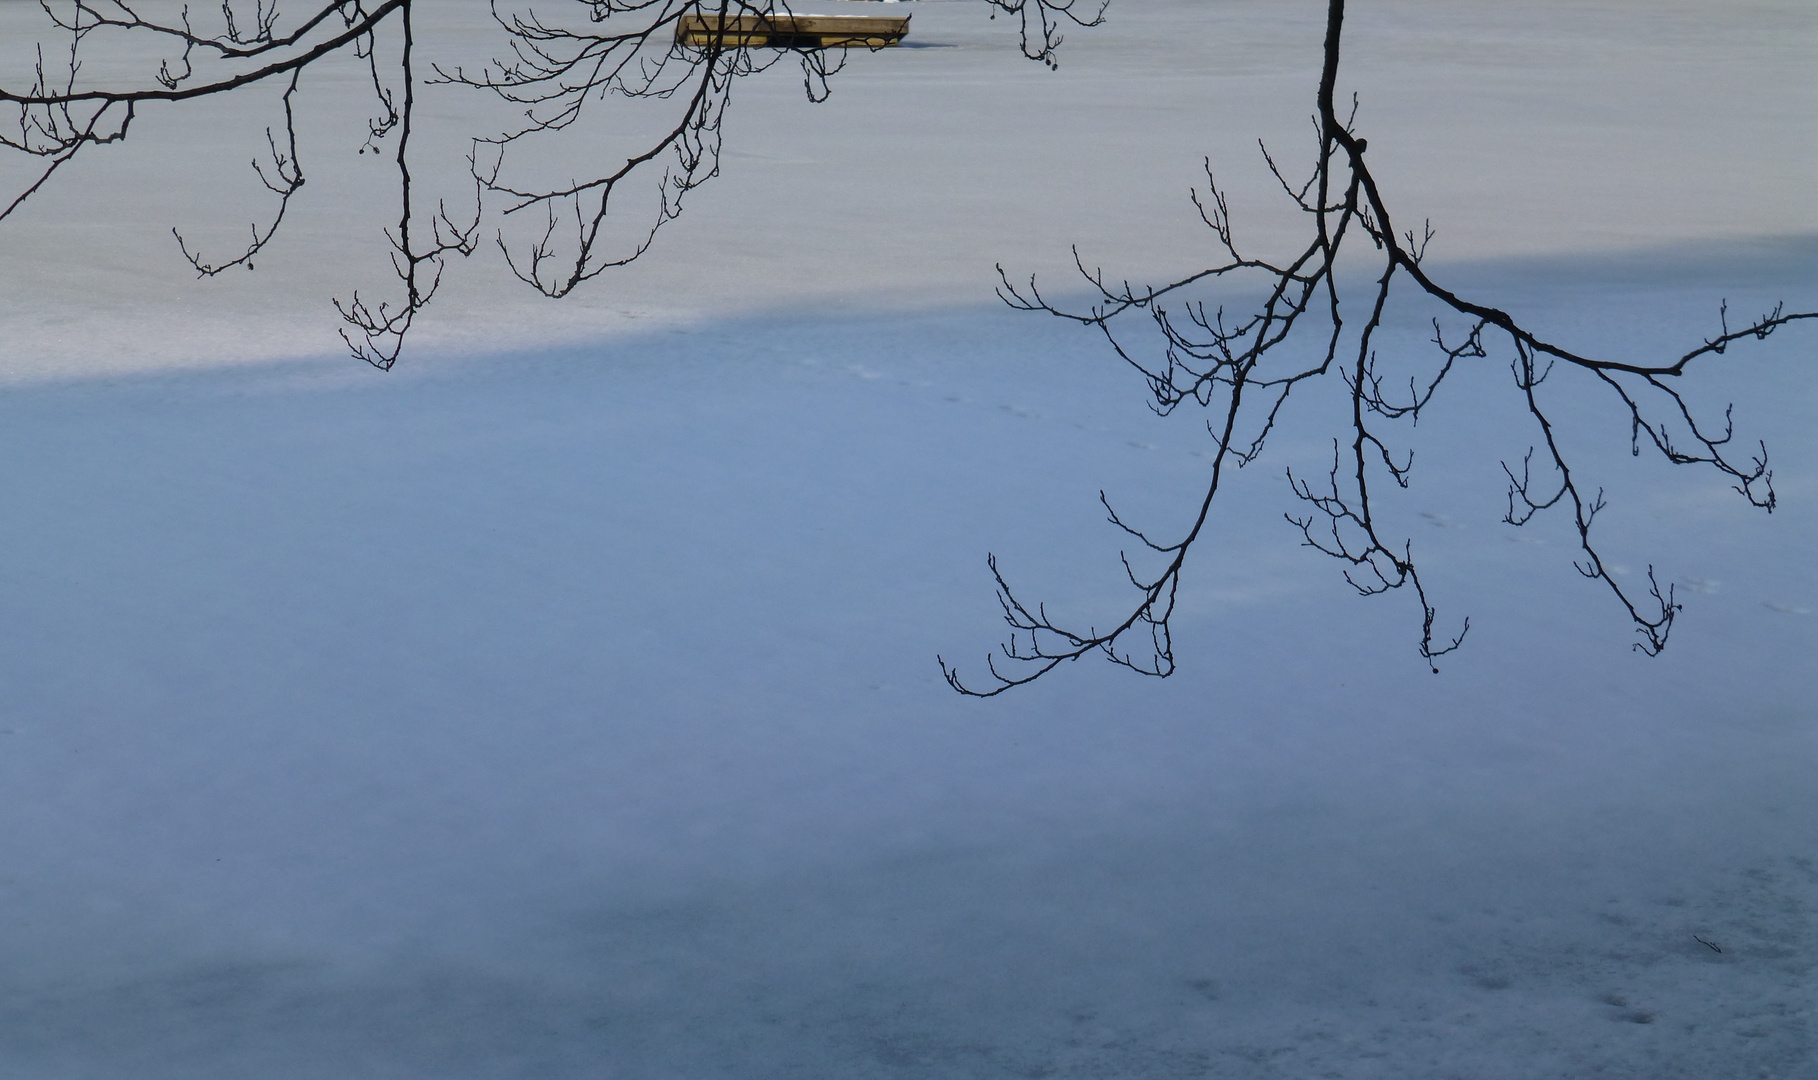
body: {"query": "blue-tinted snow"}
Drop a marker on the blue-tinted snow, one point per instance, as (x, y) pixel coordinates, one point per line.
(570, 711)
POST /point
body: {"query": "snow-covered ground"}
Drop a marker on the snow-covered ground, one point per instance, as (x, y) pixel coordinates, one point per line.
(563, 703)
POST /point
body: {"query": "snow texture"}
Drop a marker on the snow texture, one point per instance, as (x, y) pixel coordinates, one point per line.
(563, 703)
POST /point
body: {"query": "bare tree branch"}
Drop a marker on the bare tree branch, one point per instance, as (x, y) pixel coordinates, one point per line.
(554, 67)
(1242, 370)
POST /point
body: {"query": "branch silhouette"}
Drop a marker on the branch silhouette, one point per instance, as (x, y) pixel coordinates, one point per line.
(1240, 362)
(554, 69)
(1243, 369)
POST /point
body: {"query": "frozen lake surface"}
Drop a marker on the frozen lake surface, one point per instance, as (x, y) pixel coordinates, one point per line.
(563, 703)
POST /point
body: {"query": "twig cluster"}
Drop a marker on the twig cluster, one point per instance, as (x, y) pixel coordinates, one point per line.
(1041, 22)
(554, 68)
(1244, 367)
(625, 49)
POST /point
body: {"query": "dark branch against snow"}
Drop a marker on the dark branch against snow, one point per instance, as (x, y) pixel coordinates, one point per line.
(1239, 367)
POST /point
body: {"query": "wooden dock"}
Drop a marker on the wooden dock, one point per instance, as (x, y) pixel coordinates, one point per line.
(780, 31)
